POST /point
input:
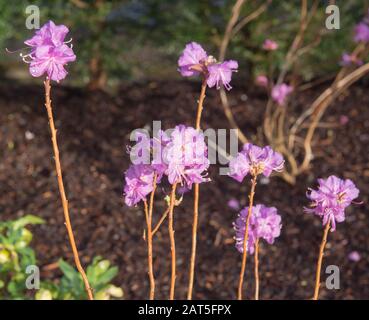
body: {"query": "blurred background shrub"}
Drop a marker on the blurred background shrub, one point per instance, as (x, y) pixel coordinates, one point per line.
(141, 39)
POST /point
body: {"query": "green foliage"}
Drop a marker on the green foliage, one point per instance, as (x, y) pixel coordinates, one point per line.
(16, 254)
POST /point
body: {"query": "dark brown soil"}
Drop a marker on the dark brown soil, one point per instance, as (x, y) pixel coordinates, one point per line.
(94, 129)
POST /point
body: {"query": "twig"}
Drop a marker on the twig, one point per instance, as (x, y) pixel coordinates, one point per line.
(320, 259)
(172, 242)
(256, 258)
(62, 190)
(246, 237)
(163, 217)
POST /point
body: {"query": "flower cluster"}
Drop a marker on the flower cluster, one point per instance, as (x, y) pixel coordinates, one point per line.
(255, 160)
(362, 32)
(265, 223)
(262, 81)
(194, 61)
(181, 156)
(280, 93)
(331, 199)
(49, 53)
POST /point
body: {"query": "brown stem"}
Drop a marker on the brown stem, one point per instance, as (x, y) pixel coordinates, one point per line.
(196, 200)
(256, 269)
(163, 217)
(62, 190)
(172, 242)
(320, 259)
(148, 214)
(246, 237)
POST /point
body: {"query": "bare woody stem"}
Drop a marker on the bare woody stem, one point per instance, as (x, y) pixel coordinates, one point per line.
(191, 276)
(158, 225)
(246, 237)
(62, 190)
(256, 258)
(172, 241)
(148, 214)
(320, 259)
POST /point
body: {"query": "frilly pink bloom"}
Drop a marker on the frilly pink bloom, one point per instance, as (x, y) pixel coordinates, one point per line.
(262, 81)
(361, 33)
(255, 160)
(139, 183)
(194, 61)
(331, 199)
(265, 223)
(49, 52)
(270, 45)
(186, 157)
(280, 93)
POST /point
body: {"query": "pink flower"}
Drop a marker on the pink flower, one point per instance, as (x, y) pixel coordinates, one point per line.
(280, 93)
(349, 59)
(265, 223)
(270, 45)
(331, 199)
(361, 32)
(194, 61)
(354, 256)
(234, 204)
(221, 74)
(262, 81)
(49, 53)
(255, 160)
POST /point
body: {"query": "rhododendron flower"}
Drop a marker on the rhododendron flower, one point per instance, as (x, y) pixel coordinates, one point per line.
(270, 45)
(234, 204)
(49, 53)
(186, 156)
(194, 61)
(349, 59)
(255, 160)
(262, 81)
(362, 32)
(139, 183)
(280, 93)
(265, 223)
(331, 199)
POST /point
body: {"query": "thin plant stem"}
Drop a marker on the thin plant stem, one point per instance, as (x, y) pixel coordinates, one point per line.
(191, 276)
(256, 259)
(62, 190)
(320, 259)
(172, 242)
(246, 237)
(148, 214)
(163, 217)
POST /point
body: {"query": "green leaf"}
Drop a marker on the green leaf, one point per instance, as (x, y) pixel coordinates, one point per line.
(68, 271)
(28, 219)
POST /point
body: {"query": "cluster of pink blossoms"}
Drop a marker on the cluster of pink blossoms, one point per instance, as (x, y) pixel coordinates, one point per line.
(181, 156)
(194, 61)
(49, 52)
(331, 199)
(265, 223)
(255, 160)
(270, 45)
(280, 92)
(350, 59)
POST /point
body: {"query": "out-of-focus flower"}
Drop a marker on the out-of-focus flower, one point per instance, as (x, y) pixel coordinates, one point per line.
(354, 256)
(186, 157)
(265, 223)
(262, 81)
(234, 204)
(331, 199)
(350, 59)
(49, 52)
(344, 119)
(270, 45)
(139, 183)
(280, 93)
(255, 160)
(361, 32)
(194, 61)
